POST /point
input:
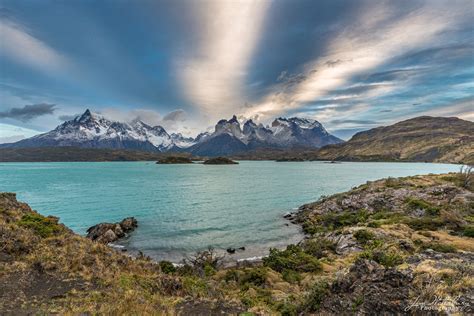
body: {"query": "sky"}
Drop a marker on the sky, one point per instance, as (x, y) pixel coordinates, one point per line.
(185, 64)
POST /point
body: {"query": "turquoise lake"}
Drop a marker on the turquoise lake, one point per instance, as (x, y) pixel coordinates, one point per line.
(184, 208)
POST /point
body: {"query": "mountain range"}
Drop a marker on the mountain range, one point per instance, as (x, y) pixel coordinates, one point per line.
(92, 130)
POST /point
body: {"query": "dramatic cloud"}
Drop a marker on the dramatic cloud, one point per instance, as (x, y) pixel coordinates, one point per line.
(213, 75)
(20, 45)
(185, 64)
(366, 50)
(29, 112)
(176, 116)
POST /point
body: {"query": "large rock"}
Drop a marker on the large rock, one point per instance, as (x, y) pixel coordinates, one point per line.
(109, 232)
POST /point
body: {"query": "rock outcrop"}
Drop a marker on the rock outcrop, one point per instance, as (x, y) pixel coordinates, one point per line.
(220, 161)
(174, 160)
(109, 232)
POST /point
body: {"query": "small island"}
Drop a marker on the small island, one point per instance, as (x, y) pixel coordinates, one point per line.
(293, 159)
(174, 160)
(220, 161)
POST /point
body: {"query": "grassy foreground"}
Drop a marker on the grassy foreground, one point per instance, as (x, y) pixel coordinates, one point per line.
(401, 245)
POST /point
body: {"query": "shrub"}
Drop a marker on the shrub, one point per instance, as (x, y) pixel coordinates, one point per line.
(374, 224)
(439, 247)
(231, 275)
(424, 223)
(363, 236)
(466, 177)
(468, 231)
(415, 204)
(287, 309)
(204, 263)
(334, 221)
(256, 276)
(389, 258)
(42, 226)
(167, 267)
(393, 183)
(291, 276)
(292, 258)
(315, 297)
(318, 247)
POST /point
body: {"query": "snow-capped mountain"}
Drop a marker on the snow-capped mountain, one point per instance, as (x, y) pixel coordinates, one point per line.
(95, 131)
(229, 137)
(92, 130)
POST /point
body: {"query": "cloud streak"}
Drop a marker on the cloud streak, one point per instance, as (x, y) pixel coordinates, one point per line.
(20, 45)
(364, 50)
(29, 112)
(213, 75)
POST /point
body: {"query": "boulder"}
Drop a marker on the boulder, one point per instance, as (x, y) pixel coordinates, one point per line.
(109, 232)
(128, 224)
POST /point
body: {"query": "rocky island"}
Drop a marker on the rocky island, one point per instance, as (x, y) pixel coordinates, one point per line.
(174, 160)
(291, 159)
(392, 246)
(220, 161)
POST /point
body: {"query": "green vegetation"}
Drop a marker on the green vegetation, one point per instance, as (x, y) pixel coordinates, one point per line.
(43, 226)
(440, 247)
(292, 258)
(316, 295)
(364, 236)
(415, 204)
(167, 267)
(334, 221)
(388, 258)
(319, 247)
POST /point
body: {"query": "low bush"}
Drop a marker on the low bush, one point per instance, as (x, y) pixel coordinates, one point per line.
(255, 276)
(292, 258)
(387, 258)
(319, 247)
(468, 231)
(415, 204)
(333, 221)
(291, 276)
(167, 267)
(287, 309)
(363, 236)
(315, 297)
(424, 223)
(42, 226)
(440, 247)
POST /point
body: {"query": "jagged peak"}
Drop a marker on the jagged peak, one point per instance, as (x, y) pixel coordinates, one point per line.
(233, 119)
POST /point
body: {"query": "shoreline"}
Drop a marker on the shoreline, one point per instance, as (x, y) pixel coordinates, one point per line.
(380, 241)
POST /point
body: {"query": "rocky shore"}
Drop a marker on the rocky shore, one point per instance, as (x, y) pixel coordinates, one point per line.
(107, 232)
(393, 246)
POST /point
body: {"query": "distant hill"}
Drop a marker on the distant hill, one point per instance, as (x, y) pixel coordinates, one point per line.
(425, 138)
(42, 154)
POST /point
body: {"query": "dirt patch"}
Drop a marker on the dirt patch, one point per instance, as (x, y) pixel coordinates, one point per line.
(20, 291)
(208, 308)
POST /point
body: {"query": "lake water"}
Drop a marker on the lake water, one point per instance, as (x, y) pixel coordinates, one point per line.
(184, 208)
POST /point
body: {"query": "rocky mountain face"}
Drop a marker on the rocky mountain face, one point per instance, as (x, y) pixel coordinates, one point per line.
(425, 138)
(91, 130)
(229, 138)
